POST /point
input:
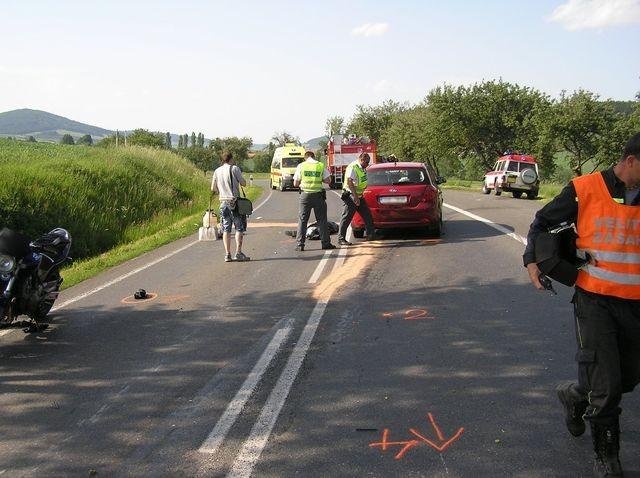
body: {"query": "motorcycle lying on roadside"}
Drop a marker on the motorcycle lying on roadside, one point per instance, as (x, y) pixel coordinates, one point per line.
(30, 276)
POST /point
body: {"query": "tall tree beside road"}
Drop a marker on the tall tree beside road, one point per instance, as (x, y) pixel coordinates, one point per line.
(180, 145)
(143, 137)
(31, 139)
(67, 139)
(86, 139)
(334, 125)
(200, 140)
(487, 119)
(167, 140)
(282, 137)
(413, 136)
(239, 147)
(372, 121)
(193, 139)
(586, 128)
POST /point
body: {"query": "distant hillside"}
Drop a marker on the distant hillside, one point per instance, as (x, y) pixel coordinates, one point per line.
(45, 126)
(314, 143)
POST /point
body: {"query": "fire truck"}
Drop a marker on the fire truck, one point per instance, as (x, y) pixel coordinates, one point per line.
(342, 151)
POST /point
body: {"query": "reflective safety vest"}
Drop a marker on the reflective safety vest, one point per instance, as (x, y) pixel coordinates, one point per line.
(311, 176)
(361, 183)
(610, 233)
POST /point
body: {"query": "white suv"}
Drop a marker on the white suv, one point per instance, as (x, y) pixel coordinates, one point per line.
(514, 173)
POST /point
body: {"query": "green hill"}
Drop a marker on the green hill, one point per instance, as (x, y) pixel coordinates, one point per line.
(45, 126)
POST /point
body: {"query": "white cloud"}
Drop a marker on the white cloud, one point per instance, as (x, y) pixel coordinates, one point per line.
(370, 30)
(582, 14)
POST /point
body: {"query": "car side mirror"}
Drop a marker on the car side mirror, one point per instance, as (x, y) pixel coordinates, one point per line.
(440, 179)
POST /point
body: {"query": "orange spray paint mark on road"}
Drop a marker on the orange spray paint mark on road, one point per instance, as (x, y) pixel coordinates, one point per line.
(132, 300)
(440, 445)
(356, 263)
(411, 314)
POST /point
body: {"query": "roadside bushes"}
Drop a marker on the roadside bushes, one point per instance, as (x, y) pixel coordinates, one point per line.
(100, 195)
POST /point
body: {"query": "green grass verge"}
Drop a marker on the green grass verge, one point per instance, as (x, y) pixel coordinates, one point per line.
(547, 190)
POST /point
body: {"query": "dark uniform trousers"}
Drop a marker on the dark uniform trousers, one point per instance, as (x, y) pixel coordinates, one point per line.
(316, 202)
(349, 211)
(608, 335)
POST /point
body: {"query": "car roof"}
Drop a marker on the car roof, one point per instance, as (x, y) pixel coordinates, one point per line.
(518, 157)
(399, 164)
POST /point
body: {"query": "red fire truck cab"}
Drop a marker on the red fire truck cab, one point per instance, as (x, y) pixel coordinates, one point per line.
(343, 150)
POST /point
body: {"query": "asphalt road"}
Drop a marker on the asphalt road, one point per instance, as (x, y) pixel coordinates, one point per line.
(408, 356)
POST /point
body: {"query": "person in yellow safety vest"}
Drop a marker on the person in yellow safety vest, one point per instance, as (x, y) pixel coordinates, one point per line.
(353, 188)
(309, 177)
(605, 207)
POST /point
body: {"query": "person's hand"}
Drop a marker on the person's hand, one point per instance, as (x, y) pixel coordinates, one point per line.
(534, 274)
(356, 200)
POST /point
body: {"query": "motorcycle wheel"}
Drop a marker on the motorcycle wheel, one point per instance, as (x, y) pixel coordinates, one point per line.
(45, 305)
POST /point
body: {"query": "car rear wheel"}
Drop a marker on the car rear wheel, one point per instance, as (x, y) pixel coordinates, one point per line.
(435, 230)
(485, 189)
(281, 185)
(497, 189)
(517, 194)
(358, 233)
(273, 186)
(532, 194)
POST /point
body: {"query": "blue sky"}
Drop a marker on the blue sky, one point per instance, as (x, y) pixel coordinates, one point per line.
(249, 68)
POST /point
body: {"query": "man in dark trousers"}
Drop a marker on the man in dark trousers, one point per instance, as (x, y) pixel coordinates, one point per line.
(605, 207)
(352, 190)
(309, 177)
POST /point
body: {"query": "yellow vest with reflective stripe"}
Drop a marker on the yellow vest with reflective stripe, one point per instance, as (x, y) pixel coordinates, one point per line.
(360, 173)
(311, 176)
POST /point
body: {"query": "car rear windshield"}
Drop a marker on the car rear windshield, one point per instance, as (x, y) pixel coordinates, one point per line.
(518, 166)
(388, 177)
(291, 162)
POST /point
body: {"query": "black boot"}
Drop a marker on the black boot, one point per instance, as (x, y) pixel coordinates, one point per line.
(574, 407)
(606, 445)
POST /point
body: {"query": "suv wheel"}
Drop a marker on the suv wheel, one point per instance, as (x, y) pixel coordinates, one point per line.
(517, 194)
(497, 189)
(485, 189)
(532, 194)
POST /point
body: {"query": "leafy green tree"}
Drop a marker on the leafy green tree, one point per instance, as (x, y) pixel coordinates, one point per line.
(280, 138)
(334, 125)
(486, 119)
(167, 140)
(200, 140)
(86, 139)
(180, 145)
(239, 147)
(110, 141)
(31, 139)
(203, 158)
(193, 139)
(143, 137)
(372, 121)
(67, 139)
(262, 161)
(587, 129)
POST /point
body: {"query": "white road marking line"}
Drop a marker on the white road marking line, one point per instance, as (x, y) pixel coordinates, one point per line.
(323, 262)
(253, 446)
(492, 224)
(230, 415)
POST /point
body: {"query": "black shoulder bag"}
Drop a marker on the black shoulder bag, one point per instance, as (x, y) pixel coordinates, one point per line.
(244, 206)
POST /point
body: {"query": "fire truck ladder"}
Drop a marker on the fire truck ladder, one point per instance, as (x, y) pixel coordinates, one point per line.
(337, 175)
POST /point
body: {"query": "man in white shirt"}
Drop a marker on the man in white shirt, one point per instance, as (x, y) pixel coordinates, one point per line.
(226, 182)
